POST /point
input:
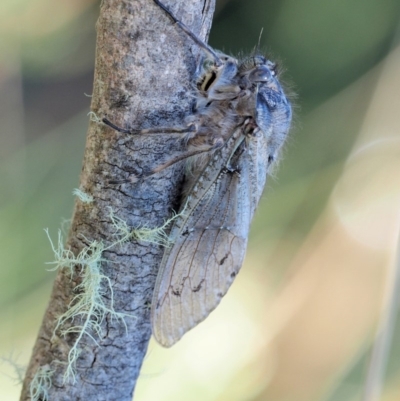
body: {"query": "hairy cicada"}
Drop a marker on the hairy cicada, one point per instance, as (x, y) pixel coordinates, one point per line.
(240, 121)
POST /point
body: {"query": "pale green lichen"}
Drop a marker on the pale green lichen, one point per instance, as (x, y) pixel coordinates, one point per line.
(40, 384)
(93, 117)
(65, 225)
(65, 258)
(87, 308)
(82, 196)
(156, 235)
(124, 233)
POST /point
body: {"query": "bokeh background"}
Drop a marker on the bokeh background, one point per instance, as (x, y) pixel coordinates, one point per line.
(300, 318)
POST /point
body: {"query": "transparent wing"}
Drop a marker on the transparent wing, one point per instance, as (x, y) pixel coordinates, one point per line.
(210, 246)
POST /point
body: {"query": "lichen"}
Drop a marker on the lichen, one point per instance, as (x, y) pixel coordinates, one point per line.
(157, 235)
(87, 308)
(94, 117)
(82, 196)
(40, 384)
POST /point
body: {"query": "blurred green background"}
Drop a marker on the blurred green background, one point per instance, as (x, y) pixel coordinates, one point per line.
(299, 320)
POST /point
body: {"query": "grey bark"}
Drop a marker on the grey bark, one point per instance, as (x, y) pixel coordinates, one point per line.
(143, 72)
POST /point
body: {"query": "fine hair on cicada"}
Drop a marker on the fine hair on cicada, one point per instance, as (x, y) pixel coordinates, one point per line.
(233, 138)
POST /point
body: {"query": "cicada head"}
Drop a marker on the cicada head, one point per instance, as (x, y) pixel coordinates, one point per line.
(267, 102)
(257, 69)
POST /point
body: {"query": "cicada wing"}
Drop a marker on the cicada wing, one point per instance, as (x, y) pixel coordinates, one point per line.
(209, 250)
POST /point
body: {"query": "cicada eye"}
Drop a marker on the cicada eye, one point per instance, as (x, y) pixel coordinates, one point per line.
(261, 74)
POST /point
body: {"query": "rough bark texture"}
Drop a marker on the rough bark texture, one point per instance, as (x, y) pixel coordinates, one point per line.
(144, 68)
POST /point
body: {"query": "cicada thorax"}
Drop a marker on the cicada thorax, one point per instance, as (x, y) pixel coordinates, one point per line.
(230, 94)
(214, 117)
(267, 102)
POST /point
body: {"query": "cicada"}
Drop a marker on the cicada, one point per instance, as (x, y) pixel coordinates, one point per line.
(234, 136)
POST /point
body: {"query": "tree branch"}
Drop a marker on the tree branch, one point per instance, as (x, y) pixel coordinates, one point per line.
(143, 74)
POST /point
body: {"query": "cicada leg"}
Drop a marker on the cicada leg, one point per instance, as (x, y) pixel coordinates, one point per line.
(158, 130)
(194, 37)
(191, 130)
